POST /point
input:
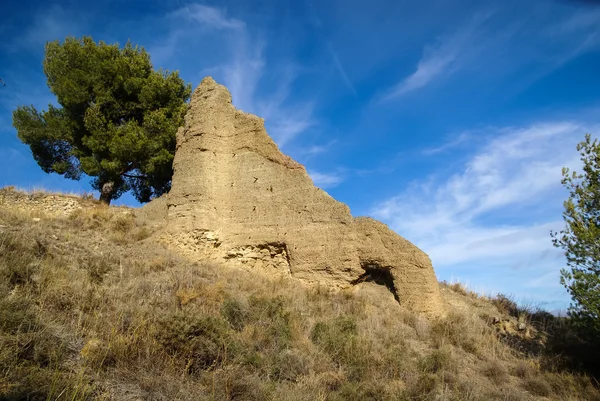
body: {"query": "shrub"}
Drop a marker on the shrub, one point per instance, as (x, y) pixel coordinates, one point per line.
(437, 361)
(496, 372)
(235, 313)
(31, 356)
(20, 258)
(423, 388)
(335, 337)
(457, 330)
(506, 305)
(271, 322)
(339, 339)
(17, 316)
(361, 391)
(97, 266)
(523, 370)
(123, 223)
(537, 386)
(290, 365)
(202, 341)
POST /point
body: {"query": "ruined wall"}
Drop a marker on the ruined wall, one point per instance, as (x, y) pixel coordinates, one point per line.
(237, 199)
(42, 202)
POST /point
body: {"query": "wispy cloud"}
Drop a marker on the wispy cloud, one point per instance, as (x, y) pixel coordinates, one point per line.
(257, 84)
(52, 23)
(211, 17)
(462, 138)
(340, 68)
(316, 150)
(325, 180)
(440, 59)
(478, 46)
(498, 210)
(12, 155)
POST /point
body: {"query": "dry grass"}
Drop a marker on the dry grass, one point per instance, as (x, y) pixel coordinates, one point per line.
(90, 308)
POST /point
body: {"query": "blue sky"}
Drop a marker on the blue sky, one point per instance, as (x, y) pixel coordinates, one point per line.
(449, 121)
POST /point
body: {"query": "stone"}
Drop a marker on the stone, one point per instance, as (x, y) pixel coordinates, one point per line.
(237, 199)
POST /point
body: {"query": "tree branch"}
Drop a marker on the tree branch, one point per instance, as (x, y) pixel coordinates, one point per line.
(141, 177)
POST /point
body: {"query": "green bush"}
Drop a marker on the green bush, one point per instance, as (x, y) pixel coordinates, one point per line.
(336, 337)
(339, 339)
(235, 313)
(202, 341)
(273, 322)
(98, 266)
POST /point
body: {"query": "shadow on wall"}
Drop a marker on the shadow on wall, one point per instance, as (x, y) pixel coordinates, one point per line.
(375, 273)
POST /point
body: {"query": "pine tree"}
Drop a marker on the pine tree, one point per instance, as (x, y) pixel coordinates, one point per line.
(580, 240)
(116, 122)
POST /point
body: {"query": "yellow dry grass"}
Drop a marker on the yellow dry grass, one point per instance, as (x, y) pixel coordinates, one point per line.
(92, 309)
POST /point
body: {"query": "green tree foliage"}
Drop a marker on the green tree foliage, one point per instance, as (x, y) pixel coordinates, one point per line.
(117, 121)
(581, 240)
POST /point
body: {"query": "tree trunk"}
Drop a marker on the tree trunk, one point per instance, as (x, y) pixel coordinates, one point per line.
(107, 192)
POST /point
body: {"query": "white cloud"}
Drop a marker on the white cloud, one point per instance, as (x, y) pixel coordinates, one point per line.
(53, 23)
(340, 68)
(496, 213)
(444, 57)
(242, 66)
(325, 180)
(315, 150)
(461, 139)
(210, 17)
(482, 46)
(12, 155)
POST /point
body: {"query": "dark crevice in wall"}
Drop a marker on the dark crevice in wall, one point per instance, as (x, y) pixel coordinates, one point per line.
(378, 274)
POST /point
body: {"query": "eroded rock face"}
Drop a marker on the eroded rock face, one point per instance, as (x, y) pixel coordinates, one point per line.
(237, 199)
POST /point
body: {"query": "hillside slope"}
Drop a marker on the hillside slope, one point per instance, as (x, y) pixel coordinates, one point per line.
(92, 308)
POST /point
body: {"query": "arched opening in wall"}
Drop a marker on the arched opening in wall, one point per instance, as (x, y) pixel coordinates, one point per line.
(375, 273)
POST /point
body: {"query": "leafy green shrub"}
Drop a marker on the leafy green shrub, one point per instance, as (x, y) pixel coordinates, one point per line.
(395, 360)
(235, 313)
(336, 337)
(272, 322)
(339, 339)
(203, 341)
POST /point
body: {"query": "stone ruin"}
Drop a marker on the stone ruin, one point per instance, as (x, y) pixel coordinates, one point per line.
(238, 200)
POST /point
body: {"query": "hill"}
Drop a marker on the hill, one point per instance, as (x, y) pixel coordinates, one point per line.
(92, 307)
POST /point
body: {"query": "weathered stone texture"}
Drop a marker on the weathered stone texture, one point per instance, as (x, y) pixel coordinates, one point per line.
(41, 202)
(236, 198)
